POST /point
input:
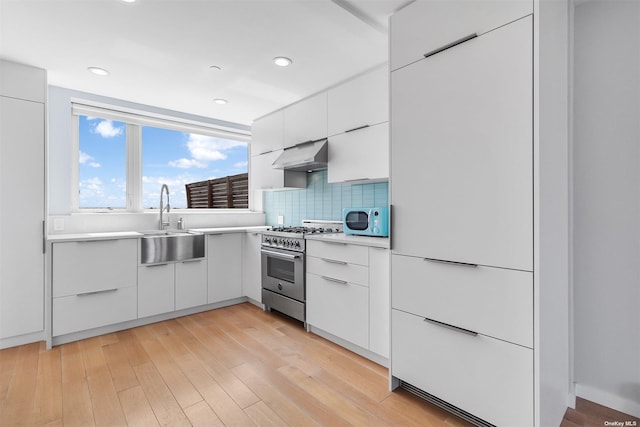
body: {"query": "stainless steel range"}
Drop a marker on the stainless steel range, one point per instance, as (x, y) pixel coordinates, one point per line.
(283, 266)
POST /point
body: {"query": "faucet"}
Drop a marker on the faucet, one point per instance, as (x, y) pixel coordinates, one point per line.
(162, 222)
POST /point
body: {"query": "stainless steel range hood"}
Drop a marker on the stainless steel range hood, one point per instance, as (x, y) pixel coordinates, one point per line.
(308, 156)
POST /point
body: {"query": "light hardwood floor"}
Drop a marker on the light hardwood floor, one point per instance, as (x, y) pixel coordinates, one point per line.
(235, 366)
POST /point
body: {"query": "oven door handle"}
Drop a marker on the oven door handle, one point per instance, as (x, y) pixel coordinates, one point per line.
(279, 254)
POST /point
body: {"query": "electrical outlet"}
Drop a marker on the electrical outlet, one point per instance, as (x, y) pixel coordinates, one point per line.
(58, 224)
(280, 220)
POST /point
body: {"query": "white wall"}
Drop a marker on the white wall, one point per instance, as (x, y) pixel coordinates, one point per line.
(607, 203)
(60, 145)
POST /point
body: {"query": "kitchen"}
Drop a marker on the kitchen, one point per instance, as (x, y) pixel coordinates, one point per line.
(575, 252)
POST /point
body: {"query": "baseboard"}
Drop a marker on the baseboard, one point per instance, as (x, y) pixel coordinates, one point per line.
(608, 399)
(374, 357)
(22, 339)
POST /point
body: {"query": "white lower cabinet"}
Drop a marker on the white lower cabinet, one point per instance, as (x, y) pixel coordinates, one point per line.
(225, 266)
(487, 377)
(93, 284)
(348, 293)
(191, 283)
(155, 289)
(339, 307)
(252, 266)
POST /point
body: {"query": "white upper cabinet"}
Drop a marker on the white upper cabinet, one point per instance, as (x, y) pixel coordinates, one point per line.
(463, 119)
(362, 101)
(359, 155)
(267, 133)
(431, 24)
(23, 82)
(306, 120)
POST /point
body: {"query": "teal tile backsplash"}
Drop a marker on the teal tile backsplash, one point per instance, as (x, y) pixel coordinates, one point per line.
(321, 200)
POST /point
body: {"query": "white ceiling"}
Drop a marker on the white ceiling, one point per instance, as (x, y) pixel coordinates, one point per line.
(159, 52)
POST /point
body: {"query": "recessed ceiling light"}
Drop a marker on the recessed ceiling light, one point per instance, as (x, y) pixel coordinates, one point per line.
(128, 1)
(220, 101)
(282, 61)
(99, 71)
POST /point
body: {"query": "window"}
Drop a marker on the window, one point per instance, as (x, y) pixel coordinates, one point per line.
(179, 158)
(102, 163)
(124, 157)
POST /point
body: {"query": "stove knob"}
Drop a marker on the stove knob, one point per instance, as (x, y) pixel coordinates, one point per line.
(297, 244)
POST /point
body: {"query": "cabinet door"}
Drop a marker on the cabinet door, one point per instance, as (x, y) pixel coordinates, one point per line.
(359, 155)
(340, 308)
(225, 266)
(191, 283)
(251, 267)
(23, 82)
(361, 101)
(264, 177)
(266, 133)
(155, 289)
(91, 266)
(489, 378)
(306, 120)
(426, 25)
(462, 173)
(21, 217)
(379, 306)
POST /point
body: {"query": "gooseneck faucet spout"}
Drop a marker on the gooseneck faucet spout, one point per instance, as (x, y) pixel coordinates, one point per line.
(164, 223)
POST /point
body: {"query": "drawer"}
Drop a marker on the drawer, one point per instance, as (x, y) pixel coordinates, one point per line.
(81, 312)
(488, 378)
(425, 26)
(89, 266)
(338, 251)
(342, 309)
(492, 301)
(353, 273)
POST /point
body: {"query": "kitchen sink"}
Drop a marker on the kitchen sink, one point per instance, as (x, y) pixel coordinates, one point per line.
(161, 246)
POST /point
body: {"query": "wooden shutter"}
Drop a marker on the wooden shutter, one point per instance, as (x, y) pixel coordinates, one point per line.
(221, 193)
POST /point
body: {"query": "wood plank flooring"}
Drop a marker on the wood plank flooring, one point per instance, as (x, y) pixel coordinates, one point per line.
(236, 366)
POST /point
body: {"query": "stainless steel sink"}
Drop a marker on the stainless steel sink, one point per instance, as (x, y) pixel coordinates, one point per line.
(159, 246)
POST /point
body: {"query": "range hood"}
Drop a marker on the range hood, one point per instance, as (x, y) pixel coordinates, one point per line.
(308, 156)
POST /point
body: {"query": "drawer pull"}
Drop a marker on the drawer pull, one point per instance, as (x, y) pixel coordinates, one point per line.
(331, 279)
(444, 261)
(333, 261)
(333, 243)
(450, 45)
(156, 265)
(191, 261)
(455, 328)
(356, 128)
(96, 292)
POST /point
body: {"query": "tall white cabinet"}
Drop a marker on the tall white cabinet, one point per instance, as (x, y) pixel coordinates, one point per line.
(473, 274)
(22, 202)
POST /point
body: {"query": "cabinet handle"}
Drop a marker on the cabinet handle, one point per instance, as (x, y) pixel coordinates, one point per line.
(448, 326)
(450, 45)
(356, 128)
(96, 292)
(279, 254)
(333, 261)
(156, 265)
(331, 279)
(190, 261)
(333, 243)
(444, 261)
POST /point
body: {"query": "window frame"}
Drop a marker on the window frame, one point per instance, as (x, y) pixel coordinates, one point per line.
(134, 121)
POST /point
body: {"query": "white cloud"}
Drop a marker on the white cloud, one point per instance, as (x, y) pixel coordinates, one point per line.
(106, 129)
(91, 187)
(84, 158)
(187, 163)
(205, 149)
(241, 165)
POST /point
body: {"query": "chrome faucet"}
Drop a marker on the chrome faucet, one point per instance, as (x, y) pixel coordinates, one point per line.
(162, 222)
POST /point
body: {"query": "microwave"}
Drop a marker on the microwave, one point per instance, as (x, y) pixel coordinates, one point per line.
(366, 221)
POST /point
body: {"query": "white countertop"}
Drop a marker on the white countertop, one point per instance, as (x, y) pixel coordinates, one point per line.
(108, 235)
(376, 242)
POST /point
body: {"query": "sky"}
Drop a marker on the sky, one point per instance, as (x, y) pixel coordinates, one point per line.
(168, 157)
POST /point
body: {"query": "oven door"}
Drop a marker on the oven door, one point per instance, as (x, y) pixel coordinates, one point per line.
(283, 272)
